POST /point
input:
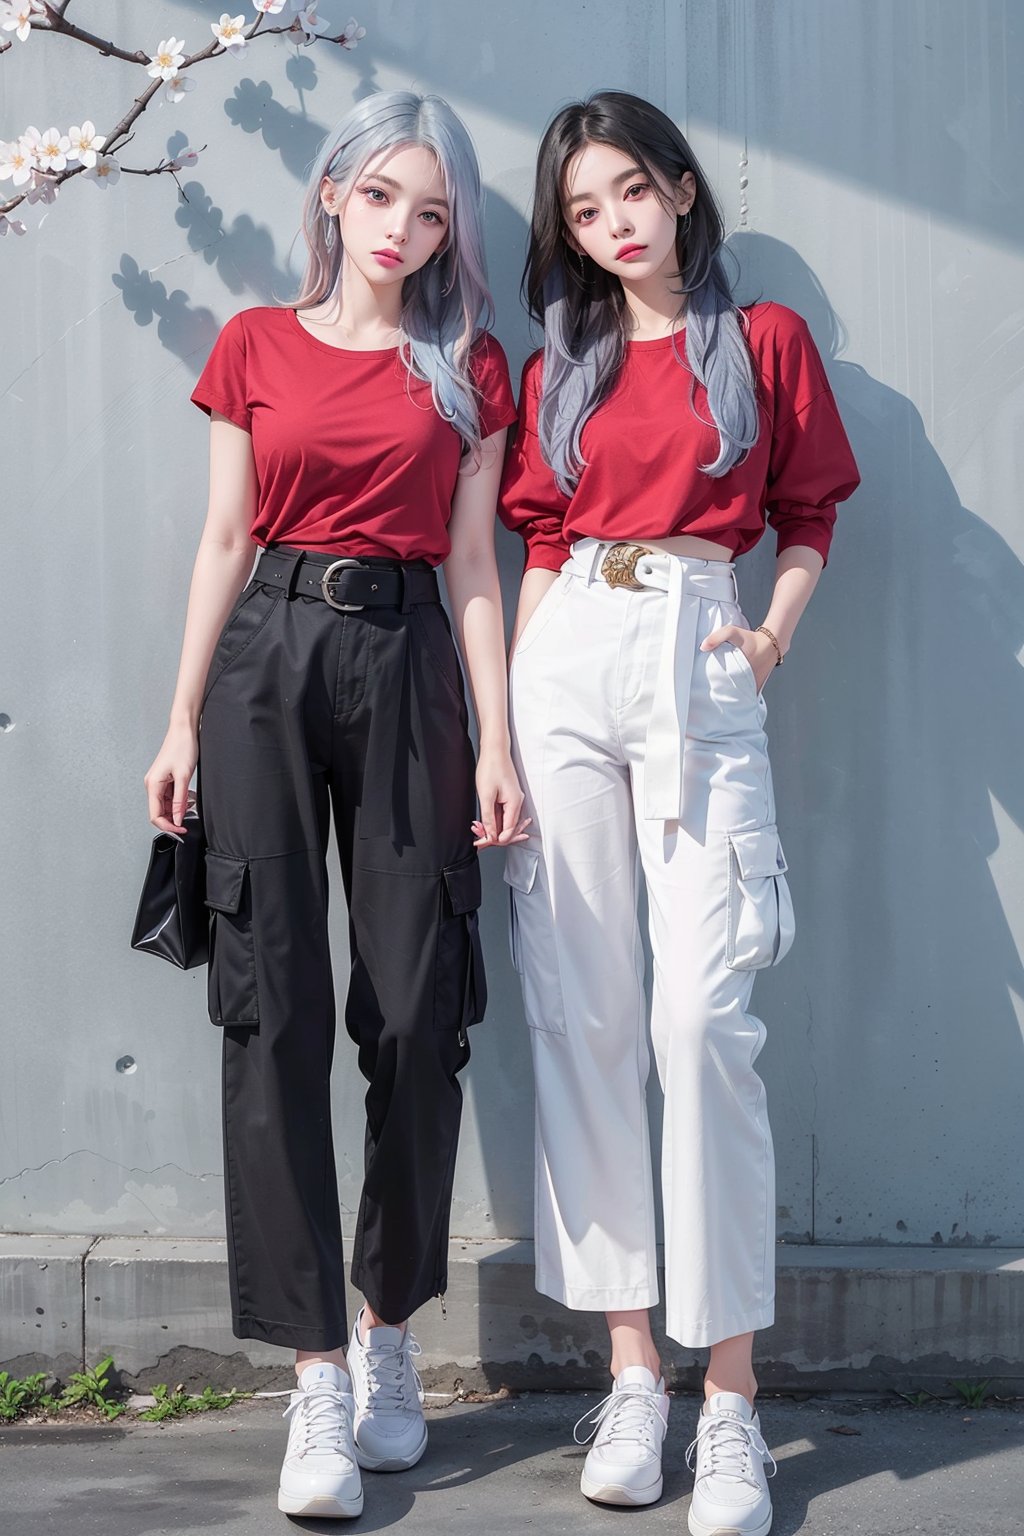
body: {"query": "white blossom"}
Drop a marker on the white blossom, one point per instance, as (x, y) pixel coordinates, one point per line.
(269, 7)
(177, 85)
(105, 172)
(352, 33)
(311, 24)
(85, 143)
(10, 226)
(16, 162)
(19, 14)
(52, 150)
(165, 63)
(187, 157)
(230, 33)
(43, 188)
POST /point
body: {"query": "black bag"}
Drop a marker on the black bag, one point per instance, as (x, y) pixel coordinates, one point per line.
(172, 920)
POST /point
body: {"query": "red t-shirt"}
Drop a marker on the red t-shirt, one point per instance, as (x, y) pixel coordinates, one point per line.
(351, 455)
(644, 445)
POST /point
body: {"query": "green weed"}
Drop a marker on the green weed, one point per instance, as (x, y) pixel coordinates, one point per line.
(176, 1404)
(25, 1396)
(972, 1393)
(89, 1388)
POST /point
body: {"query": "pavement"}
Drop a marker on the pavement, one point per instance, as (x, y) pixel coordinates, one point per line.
(874, 1468)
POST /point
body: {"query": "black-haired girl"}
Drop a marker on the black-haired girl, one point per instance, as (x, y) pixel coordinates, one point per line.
(660, 427)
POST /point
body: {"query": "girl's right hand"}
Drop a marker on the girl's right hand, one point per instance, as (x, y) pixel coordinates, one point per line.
(168, 779)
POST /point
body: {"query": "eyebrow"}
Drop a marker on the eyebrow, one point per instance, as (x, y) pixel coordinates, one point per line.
(588, 197)
(438, 202)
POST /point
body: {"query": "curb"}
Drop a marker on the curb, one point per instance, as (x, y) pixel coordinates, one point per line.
(848, 1319)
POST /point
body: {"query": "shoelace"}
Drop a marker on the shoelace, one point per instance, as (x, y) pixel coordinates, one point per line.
(628, 1414)
(729, 1444)
(322, 1416)
(387, 1377)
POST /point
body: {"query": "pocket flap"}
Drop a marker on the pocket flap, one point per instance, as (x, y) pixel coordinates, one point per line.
(521, 867)
(225, 877)
(758, 853)
(463, 885)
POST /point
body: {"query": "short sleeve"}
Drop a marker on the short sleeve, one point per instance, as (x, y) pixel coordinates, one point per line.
(222, 383)
(530, 502)
(811, 466)
(489, 369)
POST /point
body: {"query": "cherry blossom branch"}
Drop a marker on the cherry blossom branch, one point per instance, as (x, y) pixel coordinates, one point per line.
(41, 159)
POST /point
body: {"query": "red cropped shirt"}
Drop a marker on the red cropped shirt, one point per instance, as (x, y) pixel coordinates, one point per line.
(351, 454)
(644, 445)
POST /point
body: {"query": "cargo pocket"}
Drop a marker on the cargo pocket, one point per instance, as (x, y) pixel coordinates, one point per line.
(460, 987)
(232, 977)
(532, 941)
(759, 908)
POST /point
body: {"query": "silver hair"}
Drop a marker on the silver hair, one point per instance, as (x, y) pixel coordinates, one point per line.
(447, 302)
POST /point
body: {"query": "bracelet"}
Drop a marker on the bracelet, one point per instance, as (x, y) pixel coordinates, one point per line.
(762, 629)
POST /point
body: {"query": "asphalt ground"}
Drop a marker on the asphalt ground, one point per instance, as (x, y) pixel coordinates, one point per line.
(845, 1466)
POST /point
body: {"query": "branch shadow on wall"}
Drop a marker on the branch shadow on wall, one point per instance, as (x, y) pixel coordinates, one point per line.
(897, 729)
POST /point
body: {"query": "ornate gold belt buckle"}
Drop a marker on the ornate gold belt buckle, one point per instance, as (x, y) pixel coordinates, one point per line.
(619, 566)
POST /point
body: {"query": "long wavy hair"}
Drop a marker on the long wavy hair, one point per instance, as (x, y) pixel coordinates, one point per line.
(447, 302)
(583, 308)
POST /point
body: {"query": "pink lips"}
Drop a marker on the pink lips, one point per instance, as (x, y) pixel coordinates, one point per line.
(388, 258)
(629, 251)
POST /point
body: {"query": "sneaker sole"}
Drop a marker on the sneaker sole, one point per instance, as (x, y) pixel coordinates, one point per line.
(698, 1528)
(614, 1493)
(321, 1505)
(391, 1463)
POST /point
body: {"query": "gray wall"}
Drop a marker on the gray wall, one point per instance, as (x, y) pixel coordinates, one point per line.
(880, 144)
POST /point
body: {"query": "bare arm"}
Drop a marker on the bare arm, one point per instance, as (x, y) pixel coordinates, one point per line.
(223, 561)
(796, 575)
(471, 573)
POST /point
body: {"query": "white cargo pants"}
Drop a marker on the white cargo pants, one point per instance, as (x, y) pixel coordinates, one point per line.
(636, 748)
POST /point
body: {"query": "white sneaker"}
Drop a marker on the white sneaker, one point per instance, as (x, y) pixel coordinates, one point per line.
(730, 1489)
(320, 1475)
(623, 1465)
(390, 1430)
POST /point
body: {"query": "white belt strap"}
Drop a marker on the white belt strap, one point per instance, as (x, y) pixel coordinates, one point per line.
(685, 581)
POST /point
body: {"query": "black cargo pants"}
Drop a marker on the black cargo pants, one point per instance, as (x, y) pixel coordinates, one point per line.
(309, 709)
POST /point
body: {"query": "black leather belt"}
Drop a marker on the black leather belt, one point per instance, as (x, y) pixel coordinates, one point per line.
(347, 583)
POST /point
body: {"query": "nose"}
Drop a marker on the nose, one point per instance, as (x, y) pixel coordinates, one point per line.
(396, 233)
(622, 227)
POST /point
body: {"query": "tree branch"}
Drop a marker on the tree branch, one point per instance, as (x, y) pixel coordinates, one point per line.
(55, 21)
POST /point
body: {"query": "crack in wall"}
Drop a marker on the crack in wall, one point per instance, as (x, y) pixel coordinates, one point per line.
(54, 1162)
(115, 298)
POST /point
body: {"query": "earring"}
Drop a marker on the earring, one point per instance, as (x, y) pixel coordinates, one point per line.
(329, 232)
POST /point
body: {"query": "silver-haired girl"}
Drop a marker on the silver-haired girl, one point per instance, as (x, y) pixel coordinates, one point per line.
(357, 438)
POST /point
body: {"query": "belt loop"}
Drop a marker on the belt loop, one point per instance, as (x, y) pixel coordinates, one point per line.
(593, 560)
(293, 575)
(405, 606)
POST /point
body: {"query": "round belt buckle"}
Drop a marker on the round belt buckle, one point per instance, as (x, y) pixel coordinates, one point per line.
(619, 566)
(345, 564)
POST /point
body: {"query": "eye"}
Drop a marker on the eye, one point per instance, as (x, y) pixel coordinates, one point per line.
(639, 187)
(375, 195)
(434, 217)
(583, 217)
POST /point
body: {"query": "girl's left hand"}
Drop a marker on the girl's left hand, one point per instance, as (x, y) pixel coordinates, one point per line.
(501, 802)
(757, 648)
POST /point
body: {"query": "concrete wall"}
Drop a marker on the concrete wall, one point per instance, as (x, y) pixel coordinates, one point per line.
(867, 156)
